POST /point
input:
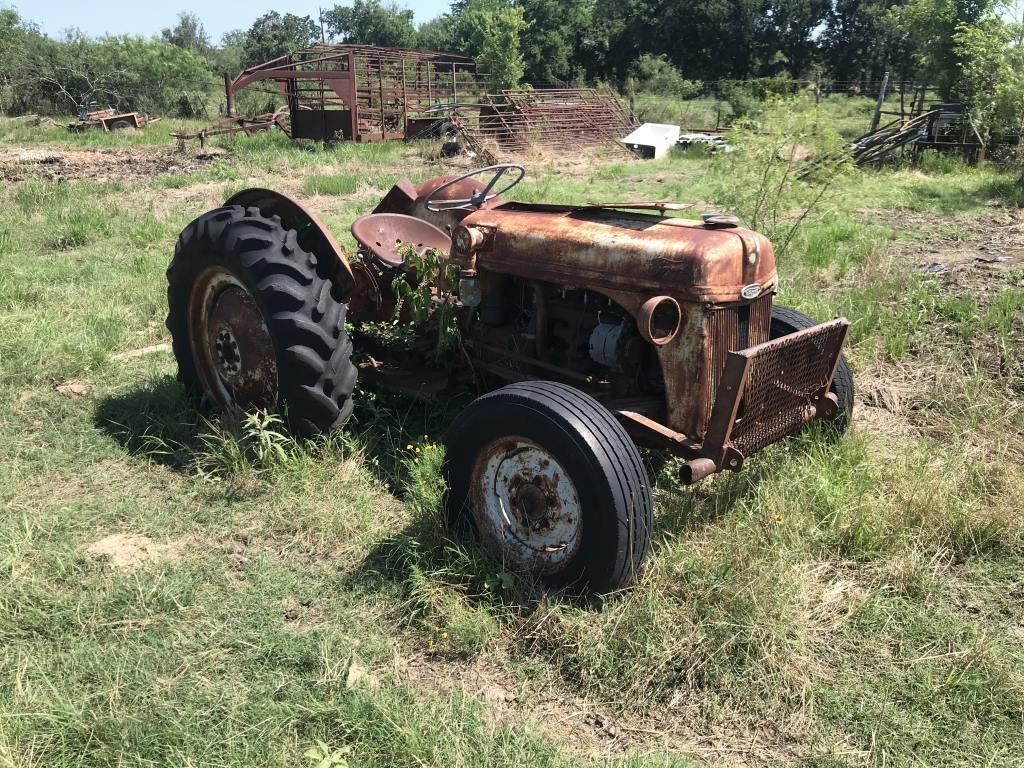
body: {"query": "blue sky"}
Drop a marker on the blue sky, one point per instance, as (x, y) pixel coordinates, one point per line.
(144, 17)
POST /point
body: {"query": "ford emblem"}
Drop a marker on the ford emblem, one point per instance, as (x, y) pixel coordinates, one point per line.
(751, 291)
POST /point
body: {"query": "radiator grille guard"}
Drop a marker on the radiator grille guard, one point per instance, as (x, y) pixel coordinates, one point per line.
(769, 390)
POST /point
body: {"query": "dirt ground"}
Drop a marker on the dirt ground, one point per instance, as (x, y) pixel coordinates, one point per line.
(20, 164)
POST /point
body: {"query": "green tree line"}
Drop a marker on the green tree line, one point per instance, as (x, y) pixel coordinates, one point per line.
(969, 49)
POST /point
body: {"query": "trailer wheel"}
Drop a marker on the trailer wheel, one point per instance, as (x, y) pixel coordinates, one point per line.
(121, 125)
(545, 475)
(786, 321)
(254, 324)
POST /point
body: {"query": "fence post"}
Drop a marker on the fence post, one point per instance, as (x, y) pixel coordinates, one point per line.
(878, 107)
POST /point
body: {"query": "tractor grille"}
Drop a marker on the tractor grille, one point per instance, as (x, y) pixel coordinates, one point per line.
(733, 328)
(782, 380)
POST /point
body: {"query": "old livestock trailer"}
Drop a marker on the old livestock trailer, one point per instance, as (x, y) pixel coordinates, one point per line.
(362, 93)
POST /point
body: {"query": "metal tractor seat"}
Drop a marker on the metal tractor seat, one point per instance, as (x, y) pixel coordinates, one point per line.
(384, 235)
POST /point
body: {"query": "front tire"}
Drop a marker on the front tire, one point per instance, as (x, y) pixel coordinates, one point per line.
(254, 324)
(786, 321)
(547, 476)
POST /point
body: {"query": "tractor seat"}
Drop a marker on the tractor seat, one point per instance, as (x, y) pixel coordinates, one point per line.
(384, 234)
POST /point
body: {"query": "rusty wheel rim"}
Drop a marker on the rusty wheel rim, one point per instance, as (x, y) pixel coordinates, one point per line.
(524, 500)
(231, 344)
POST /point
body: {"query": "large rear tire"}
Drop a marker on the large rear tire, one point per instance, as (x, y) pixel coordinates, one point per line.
(545, 475)
(786, 321)
(254, 324)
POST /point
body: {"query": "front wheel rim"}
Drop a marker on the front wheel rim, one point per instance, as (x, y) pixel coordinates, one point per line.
(231, 343)
(523, 500)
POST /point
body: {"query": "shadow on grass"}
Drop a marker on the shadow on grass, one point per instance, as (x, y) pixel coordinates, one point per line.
(157, 422)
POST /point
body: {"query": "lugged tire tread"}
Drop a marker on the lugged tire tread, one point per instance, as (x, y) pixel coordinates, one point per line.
(315, 374)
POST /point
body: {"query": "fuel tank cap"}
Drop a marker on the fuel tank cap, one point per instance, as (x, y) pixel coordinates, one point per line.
(719, 220)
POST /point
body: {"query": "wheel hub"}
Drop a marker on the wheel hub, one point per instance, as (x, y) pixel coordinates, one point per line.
(525, 501)
(231, 343)
(229, 360)
(532, 505)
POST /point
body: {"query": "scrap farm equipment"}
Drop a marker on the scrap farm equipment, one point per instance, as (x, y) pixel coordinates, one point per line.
(110, 119)
(350, 92)
(590, 329)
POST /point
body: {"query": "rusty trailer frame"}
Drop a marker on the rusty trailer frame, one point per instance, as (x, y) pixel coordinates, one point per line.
(361, 92)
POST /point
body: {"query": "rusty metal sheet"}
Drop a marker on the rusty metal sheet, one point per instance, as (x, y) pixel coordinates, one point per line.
(656, 205)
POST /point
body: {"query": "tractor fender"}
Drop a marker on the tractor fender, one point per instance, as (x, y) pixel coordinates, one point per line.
(313, 235)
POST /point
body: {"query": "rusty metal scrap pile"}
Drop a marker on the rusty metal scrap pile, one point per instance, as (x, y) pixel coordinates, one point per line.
(550, 119)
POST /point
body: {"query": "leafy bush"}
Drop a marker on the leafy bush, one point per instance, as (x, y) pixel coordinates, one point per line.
(656, 74)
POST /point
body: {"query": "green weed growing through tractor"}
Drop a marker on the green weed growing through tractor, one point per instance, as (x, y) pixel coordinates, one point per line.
(426, 306)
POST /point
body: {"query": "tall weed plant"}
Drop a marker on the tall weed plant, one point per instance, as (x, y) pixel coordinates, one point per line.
(782, 168)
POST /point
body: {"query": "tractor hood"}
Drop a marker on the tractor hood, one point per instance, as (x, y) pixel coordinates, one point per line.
(614, 250)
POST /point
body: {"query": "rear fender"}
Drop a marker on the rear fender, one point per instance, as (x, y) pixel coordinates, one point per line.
(313, 235)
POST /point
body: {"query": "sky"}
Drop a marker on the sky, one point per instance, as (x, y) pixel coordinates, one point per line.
(145, 17)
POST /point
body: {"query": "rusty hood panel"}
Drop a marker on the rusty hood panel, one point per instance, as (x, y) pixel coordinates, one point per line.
(624, 251)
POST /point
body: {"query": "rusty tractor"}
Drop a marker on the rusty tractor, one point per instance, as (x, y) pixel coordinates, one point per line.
(592, 330)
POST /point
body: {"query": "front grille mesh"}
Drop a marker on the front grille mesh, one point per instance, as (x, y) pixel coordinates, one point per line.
(727, 330)
(781, 381)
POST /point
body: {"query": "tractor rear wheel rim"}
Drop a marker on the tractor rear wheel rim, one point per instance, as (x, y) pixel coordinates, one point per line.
(231, 344)
(523, 499)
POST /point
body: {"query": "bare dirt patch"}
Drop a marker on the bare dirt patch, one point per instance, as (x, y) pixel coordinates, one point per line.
(20, 164)
(129, 551)
(970, 254)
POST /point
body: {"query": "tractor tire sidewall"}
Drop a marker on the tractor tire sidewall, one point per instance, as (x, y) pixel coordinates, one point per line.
(786, 321)
(316, 377)
(121, 125)
(602, 462)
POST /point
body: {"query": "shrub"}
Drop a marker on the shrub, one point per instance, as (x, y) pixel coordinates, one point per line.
(656, 74)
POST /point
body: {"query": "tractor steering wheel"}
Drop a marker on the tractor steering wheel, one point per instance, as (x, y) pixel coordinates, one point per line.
(478, 198)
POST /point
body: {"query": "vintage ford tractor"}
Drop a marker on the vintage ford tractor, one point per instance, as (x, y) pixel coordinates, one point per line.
(592, 329)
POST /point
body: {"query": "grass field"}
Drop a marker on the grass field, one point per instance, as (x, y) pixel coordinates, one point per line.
(172, 595)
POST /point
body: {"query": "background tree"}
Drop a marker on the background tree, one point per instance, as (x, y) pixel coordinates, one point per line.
(928, 29)
(791, 27)
(436, 34)
(229, 55)
(991, 74)
(273, 35)
(491, 32)
(556, 34)
(370, 22)
(188, 33)
(860, 41)
(16, 39)
(656, 75)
